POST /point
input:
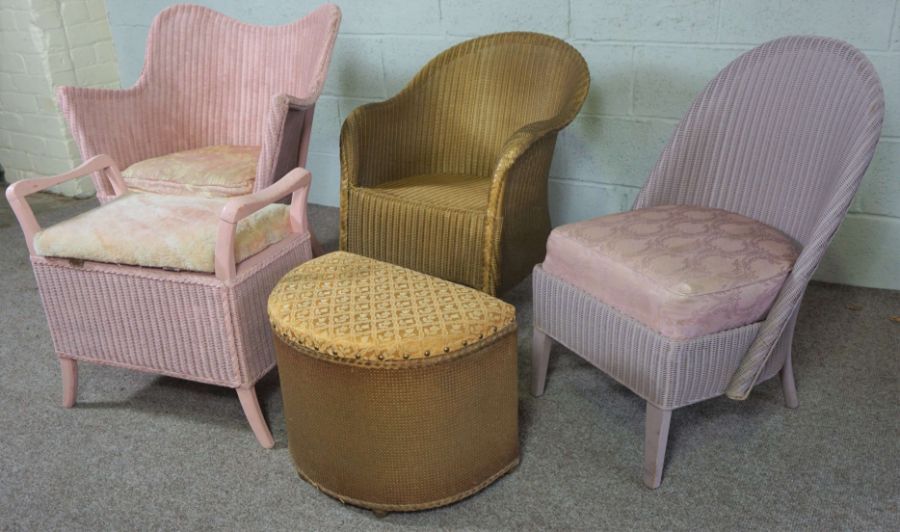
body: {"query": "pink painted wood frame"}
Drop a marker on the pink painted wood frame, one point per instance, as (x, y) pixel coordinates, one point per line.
(225, 311)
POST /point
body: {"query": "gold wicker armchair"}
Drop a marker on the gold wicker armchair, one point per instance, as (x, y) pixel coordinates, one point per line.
(449, 177)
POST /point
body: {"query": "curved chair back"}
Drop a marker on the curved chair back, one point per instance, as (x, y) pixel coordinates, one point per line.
(780, 135)
(476, 94)
(217, 76)
(207, 79)
(783, 135)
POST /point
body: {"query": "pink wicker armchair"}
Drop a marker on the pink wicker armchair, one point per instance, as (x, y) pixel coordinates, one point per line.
(209, 80)
(187, 297)
(205, 327)
(694, 293)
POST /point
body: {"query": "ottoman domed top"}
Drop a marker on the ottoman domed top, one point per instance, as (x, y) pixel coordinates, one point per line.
(358, 309)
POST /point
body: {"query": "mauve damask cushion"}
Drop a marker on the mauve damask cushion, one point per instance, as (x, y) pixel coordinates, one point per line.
(154, 230)
(222, 170)
(680, 270)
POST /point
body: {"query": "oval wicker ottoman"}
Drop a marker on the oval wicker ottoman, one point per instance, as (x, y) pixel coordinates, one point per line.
(400, 389)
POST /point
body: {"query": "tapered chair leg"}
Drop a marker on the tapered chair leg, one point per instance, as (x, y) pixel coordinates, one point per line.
(250, 404)
(540, 358)
(69, 381)
(317, 249)
(656, 436)
(788, 385)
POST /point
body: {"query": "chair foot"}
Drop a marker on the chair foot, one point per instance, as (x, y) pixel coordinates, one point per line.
(540, 358)
(656, 436)
(250, 404)
(69, 380)
(788, 385)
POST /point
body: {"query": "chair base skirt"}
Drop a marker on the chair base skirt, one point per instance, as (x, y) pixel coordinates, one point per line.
(186, 325)
(668, 374)
(402, 438)
(665, 372)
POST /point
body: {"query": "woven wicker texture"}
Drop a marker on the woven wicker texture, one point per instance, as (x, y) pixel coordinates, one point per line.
(782, 135)
(489, 108)
(394, 434)
(668, 373)
(358, 309)
(185, 325)
(194, 91)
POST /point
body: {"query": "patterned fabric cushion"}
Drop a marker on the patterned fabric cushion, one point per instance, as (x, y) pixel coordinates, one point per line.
(682, 271)
(173, 232)
(211, 171)
(348, 306)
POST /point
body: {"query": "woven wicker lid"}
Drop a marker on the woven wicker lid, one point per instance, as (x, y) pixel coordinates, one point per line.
(354, 308)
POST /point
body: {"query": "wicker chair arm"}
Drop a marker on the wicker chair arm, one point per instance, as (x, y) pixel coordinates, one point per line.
(372, 142)
(519, 183)
(788, 300)
(285, 141)
(296, 183)
(111, 122)
(520, 141)
(101, 165)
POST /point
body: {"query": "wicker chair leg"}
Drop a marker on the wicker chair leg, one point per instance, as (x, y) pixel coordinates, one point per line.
(317, 249)
(250, 404)
(540, 358)
(788, 385)
(69, 380)
(656, 437)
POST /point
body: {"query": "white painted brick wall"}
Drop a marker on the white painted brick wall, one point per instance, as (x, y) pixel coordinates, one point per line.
(45, 44)
(648, 59)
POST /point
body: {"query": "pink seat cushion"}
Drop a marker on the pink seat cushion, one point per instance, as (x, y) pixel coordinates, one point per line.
(682, 271)
(212, 171)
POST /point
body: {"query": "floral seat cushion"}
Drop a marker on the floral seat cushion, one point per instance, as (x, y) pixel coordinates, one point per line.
(682, 271)
(223, 170)
(160, 231)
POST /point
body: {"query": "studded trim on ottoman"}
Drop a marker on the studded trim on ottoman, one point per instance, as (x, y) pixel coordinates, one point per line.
(400, 389)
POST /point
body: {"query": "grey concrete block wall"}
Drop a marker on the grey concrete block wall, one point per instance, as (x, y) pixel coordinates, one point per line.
(648, 59)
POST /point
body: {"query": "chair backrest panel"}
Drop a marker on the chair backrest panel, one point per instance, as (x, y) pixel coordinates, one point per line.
(214, 77)
(474, 96)
(775, 136)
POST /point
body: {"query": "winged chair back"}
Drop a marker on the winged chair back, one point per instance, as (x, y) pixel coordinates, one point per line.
(783, 135)
(470, 99)
(207, 80)
(218, 75)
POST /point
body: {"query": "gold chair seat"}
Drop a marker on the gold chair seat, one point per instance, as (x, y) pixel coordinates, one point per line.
(463, 192)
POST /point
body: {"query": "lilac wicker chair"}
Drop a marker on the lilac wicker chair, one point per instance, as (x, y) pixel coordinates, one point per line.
(195, 309)
(694, 293)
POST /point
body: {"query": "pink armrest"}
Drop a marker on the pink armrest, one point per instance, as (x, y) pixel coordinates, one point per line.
(296, 183)
(100, 165)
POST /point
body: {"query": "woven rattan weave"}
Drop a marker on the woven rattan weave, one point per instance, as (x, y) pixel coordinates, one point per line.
(449, 177)
(400, 389)
(781, 136)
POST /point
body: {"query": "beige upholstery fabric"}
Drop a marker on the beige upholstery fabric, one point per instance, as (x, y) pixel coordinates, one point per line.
(211, 171)
(173, 232)
(683, 271)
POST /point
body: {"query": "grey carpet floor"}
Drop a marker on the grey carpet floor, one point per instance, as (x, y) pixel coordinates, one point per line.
(146, 452)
